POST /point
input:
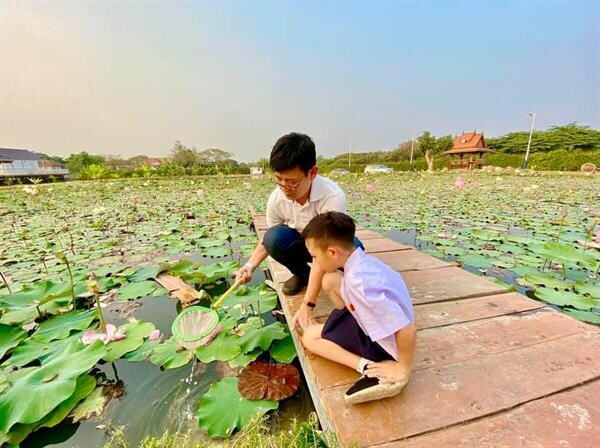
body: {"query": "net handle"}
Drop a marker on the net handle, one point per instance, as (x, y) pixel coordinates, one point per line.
(237, 283)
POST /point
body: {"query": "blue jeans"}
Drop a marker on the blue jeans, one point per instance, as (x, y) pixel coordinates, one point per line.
(286, 245)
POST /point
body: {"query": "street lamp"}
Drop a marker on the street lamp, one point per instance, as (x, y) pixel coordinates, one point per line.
(532, 115)
(412, 148)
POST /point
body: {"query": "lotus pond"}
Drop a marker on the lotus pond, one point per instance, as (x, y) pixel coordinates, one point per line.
(68, 373)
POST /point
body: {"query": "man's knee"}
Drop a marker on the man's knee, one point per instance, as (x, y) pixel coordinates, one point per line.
(278, 237)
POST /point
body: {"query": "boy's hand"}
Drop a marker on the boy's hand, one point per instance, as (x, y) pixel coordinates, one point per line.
(304, 317)
(388, 371)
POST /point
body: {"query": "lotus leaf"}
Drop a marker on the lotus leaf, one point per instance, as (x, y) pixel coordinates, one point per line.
(84, 386)
(284, 350)
(10, 337)
(170, 355)
(566, 298)
(222, 348)
(94, 404)
(222, 409)
(135, 333)
(60, 326)
(34, 395)
(253, 333)
(268, 380)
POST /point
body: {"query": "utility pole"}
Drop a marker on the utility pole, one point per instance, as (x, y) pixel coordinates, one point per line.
(412, 148)
(532, 115)
(349, 149)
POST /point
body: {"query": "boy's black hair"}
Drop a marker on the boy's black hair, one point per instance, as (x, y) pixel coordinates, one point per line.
(331, 227)
(291, 151)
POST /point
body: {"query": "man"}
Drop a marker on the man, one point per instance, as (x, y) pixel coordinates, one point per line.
(300, 195)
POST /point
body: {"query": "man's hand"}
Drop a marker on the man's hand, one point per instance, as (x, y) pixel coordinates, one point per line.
(245, 273)
(388, 371)
(304, 317)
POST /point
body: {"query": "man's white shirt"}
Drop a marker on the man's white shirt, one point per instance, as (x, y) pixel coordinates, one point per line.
(325, 196)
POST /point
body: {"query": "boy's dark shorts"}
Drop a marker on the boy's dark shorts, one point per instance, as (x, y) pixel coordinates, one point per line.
(341, 327)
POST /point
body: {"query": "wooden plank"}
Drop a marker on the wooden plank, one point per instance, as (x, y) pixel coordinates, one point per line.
(364, 234)
(411, 260)
(376, 245)
(439, 397)
(563, 420)
(482, 353)
(460, 342)
(450, 283)
(445, 313)
(437, 347)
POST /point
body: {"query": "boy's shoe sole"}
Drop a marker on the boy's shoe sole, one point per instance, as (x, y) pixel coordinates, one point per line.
(369, 389)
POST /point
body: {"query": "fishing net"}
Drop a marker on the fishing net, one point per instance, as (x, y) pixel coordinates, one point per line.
(195, 326)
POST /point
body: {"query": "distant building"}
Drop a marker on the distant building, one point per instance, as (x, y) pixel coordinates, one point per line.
(154, 162)
(24, 163)
(256, 171)
(472, 145)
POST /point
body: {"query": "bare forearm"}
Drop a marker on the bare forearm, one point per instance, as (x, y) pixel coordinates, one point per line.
(405, 341)
(315, 280)
(258, 255)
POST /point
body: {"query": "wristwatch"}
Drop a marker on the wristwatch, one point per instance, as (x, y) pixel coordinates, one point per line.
(310, 304)
(250, 266)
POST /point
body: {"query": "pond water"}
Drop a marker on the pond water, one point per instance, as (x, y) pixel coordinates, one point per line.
(155, 401)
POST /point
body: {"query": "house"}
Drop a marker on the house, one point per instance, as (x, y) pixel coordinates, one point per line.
(154, 162)
(256, 171)
(23, 163)
(471, 144)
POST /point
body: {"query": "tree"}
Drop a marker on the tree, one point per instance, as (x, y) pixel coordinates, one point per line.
(137, 161)
(214, 155)
(569, 137)
(184, 156)
(427, 145)
(76, 163)
(114, 162)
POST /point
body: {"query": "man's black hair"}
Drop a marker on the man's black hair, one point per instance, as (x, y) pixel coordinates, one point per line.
(331, 227)
(291, 151)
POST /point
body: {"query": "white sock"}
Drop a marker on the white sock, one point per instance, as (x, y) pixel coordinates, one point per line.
(362, 365)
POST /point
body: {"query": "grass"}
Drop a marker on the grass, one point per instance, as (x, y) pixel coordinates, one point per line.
(257, 435)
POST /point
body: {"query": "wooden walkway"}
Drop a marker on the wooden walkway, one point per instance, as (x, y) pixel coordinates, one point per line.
(492, 368)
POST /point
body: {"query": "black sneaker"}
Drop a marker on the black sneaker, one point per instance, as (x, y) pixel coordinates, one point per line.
(369, 389)
(294, 285)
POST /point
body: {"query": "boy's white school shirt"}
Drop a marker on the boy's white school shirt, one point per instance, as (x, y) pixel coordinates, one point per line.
(325, 196)
(378, 299)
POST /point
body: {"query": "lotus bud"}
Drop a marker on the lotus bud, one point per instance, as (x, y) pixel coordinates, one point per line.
(92, 284)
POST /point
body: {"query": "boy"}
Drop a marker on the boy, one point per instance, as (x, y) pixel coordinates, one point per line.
(372, 330)
(299, 195)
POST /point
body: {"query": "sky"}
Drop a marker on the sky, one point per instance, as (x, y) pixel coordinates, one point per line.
(132, 77)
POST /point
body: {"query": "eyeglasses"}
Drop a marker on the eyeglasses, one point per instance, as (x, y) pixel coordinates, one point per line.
(286, 184)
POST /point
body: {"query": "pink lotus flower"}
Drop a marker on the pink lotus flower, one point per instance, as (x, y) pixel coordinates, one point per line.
(597, 239)
(154, 335)
(459, 183)
(112, 334)
(370, 187)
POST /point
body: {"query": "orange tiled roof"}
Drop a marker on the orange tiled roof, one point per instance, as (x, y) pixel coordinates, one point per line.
(469, 142)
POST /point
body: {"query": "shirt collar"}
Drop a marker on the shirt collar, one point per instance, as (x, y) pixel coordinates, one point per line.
(354, 259)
